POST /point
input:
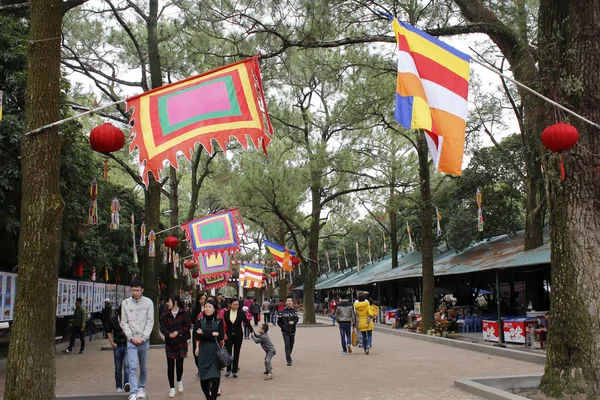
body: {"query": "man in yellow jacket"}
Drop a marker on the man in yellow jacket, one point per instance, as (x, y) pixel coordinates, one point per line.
(365, 313)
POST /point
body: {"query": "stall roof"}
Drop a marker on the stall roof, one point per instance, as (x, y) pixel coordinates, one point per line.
(501, 252)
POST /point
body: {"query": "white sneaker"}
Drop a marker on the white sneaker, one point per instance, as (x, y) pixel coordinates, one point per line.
(180, 387)
(119, 390)
(141, 393)
(171, 392)
(132, 397)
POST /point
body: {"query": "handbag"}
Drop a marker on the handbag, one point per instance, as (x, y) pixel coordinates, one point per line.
(224, 359)
(354, 337)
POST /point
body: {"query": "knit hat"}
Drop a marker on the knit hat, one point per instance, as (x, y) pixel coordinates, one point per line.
(245, 309)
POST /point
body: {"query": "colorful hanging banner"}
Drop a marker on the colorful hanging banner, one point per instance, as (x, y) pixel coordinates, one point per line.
(93, 211)
(253, 275)
(214, 283)
(438, 217)
(215, 105)
(135, 257)
(114, 214)
(479, 210)
(143, 235)
(242, 276)
(151, 244)
(214, 265)
(411, 246)
(284, 256)
(175, 265)
(216, 233)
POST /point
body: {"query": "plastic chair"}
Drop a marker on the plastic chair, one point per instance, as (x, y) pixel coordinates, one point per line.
(477, 322)
(468, 325)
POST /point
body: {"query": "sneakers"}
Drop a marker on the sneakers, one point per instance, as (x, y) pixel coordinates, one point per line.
(80, 351)
(266, 372)
(344, 352)
(119, 390)
(66, 351)
(289, 364)
(171, 393)
(235, 374)
(141, 393)
(127, 387)
(132, 397)
(180, 387)
(349, 349)
(227, 374)
(367, 350)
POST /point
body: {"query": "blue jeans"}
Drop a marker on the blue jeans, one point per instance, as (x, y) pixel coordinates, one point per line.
(273, 317)
(367, 339)
(135, 353)
(120, 354)
(345, 335)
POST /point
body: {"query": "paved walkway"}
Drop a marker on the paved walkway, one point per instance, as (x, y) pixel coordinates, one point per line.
(397, 368)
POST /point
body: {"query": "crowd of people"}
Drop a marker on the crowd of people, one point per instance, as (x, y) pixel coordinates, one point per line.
(212, 323)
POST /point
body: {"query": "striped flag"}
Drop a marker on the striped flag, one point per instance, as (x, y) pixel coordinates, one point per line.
(431, 94)
(242, 275)
(253, 275)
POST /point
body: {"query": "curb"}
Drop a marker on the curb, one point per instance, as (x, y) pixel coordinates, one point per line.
(493, 387)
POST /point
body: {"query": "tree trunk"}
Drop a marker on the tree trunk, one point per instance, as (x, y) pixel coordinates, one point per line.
(313, 251)
(393, 212)
(153, 264)
(428, 296)
(569, 64)
(31, 372)
(174, 284)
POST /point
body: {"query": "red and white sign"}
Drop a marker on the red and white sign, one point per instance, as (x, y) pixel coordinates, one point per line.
(517, 331)
(490, 331)
(390, 317)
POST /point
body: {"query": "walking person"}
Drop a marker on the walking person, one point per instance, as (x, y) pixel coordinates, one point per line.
(287, 320)
(118, 341)
(175, 325)
(255, 310)
(273, 311)
(266, 311)
(78, 326)
(137, 320)
(365, 313)
(344, 314)
(106, 315)
(197, 310)
(265, 342)
(234, 318)
(209, 331)
(332, 307)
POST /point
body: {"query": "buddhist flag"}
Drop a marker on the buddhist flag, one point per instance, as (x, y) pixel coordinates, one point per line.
(284, 256)
(431, 94)
(242, 275)
(253, 275)
(216, 105)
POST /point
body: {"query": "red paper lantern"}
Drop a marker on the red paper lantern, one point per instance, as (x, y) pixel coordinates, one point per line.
(171, 242)
(295, 260)
(273, 274)
(264, 277)
(79, 270)
(558, 138)
(188, 264)
(106, 138)
(195, 275)
(190, 292)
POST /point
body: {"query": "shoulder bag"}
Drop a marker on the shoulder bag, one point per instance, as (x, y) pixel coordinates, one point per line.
(224, 359)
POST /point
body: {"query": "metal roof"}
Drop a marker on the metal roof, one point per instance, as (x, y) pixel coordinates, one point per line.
(496, 253)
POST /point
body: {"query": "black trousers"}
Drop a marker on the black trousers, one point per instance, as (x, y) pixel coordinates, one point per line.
(171, 363)
(210, 388)
(76, 331)
(288, 340)
(255, 319)
(267, 317)
(235, 343)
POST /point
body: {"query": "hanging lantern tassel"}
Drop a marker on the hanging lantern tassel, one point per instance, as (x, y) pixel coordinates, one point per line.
(439, 218)
(479, 197)
(562, 167)
(106, 169)
(93, 212)
(114, 214)
(151, 244)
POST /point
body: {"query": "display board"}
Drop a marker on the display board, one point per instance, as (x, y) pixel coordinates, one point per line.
(120, 294)
(85, 290)
(8, 290)
(99, 296)
(67, 293)
(111, 293)
(126, 292)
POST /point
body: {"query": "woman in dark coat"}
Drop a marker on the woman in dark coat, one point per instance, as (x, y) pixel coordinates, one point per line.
(209, 331)
(175, 325)
(234, 318)
(196, 310)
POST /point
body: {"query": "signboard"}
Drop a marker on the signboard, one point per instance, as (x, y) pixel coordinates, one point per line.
(85, 290)
(120, 294)
(8, 290)
(126, 292)
(99, 296)
(517, 330)
(417, 307)
(67, 293)
(111, 293)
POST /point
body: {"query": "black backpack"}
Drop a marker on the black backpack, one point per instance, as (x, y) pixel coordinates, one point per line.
(255, 308)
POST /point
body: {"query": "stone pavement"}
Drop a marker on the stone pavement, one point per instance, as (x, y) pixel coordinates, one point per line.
(397, 368)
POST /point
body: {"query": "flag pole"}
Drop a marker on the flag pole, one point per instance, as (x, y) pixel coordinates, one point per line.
(62, 121)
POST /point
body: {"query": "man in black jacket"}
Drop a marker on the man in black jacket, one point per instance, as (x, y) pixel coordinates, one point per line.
(106, 315)
(287, 320)
(118, 341)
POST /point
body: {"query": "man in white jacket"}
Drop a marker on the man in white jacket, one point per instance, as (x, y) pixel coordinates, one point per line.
(137, 320)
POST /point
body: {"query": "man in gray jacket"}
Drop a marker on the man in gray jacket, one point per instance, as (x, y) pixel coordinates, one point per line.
(137, 320)
(344, 315)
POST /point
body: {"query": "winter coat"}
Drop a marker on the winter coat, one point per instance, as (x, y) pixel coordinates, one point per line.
(344, 312)
(116, 331)
(137, 318)
(208, 366)
(283, 320)
(176, 347)
(365, 313)
(235, 328)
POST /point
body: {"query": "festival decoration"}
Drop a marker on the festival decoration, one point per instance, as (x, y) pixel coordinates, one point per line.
(384, 244)
(411, 246)
(106, 138)
(214, 265)
(285, 257)
(175, 265)
(273, 274)
(345, 257)
(188, 264)
(438, 218)
(479, 211)
(105, 274)
(79, 270)
(242, 276)
(114, 214)
(215, 105)
(558, 138)
(253, 275)
(171, 242)
(195, 275)
(213, 283)
(216, 233)
(94, 274)
(431, 94)
(151, 244)
(93, 212)
(369, 244)
(143, 234)
(135, 257)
